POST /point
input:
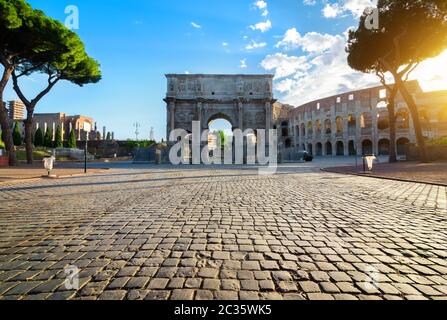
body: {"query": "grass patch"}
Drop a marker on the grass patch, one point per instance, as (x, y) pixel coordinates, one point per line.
(37, 154)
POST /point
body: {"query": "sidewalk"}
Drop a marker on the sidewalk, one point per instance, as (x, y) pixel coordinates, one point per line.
(27, 172)
(431, 173)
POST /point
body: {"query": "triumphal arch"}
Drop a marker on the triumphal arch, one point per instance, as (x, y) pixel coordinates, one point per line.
(243, 100)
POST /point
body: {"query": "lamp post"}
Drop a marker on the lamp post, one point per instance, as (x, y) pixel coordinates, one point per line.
(137, 130)
(85, 153)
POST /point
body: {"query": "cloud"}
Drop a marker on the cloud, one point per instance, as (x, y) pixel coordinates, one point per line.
(309, 2)
(310, 42)
(285, 65)
(331, 10)
(262, 26)
(262, 5)
(321, 71)
(225, 44)
(195, 25)
(255, 45)
(243, 64)
(343, 7)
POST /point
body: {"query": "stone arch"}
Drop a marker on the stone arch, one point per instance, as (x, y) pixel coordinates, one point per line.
(340, 148)
(221, 115)
(328, 127)
(310, 149)
(310, 128)
(352, 148)
(319, 148)
(328, 148)
(318, 127)
(339, 125)
(367, 147)
(383, 119)
(384, 147)
(303, 130)
(402, 145)
(403, 119)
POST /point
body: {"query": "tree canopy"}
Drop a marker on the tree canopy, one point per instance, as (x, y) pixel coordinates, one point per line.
(410, 32)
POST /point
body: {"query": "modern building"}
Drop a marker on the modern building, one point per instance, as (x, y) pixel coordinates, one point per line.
(357, 122)
(16, 110)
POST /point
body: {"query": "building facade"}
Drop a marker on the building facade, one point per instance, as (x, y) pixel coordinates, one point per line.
(243, 100)
(357, 122)
(16, 110)
(83, 126)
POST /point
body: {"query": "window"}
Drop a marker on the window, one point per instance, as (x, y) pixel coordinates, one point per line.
(382, 94)
(351, 97)
(338, 99)
(318, 106)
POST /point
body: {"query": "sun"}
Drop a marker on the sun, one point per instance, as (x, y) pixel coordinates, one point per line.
(432, 73)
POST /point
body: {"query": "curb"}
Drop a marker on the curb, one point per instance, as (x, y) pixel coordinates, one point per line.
(384, 178)
(53, 177)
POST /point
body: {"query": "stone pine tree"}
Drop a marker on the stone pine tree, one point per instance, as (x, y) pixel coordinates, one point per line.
(72, 140)
(13, 49)
(38, 138)
(67, 61)
(58, 141)
(17, 135)
(409, 32)
(48, 139)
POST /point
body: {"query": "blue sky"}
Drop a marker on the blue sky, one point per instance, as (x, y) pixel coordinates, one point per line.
(138, 41)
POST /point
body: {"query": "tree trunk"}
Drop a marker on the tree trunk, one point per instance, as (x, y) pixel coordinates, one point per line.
(29, 135)
(4, 119)
(416, 121)
(392, 120)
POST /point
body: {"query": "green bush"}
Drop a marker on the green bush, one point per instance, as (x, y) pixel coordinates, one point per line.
(139, 144)
(17, 135)
(72, 140)
(438, 142)
(58, 142)
(38, 138)
(48, 141)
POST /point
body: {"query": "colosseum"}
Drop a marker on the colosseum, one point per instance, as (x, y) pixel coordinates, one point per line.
(357, 123)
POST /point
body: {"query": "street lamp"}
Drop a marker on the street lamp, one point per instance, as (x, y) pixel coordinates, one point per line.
(137, 131)
(85, 153)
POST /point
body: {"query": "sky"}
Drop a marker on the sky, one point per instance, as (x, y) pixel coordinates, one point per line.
(137, 42)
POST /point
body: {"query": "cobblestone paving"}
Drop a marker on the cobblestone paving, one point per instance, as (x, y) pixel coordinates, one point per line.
(223, 234)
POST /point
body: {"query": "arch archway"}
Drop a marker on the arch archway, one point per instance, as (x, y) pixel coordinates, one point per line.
(328, 126)
(340, 148)
(310, 149)
(367, 147)
(319, 149)
(383, 120)
(328, 148)
(352, 151)
(339, 125)
(402, 146)
(384, 147)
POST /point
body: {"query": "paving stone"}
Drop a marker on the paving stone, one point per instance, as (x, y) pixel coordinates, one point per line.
(182, 231)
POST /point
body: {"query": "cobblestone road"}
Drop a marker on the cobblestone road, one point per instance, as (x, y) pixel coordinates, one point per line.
(223, 234)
